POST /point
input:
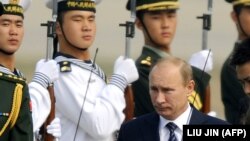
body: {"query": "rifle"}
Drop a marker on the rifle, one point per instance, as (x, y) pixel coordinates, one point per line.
(206, 20)
(206, 26)
(51, 35)
(130, 31)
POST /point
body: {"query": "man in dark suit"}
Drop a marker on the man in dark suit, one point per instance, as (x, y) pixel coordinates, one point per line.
(170, 84)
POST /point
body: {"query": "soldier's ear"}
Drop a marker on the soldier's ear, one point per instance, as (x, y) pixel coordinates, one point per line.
(234, 17)
(138, 24)
(58, 29)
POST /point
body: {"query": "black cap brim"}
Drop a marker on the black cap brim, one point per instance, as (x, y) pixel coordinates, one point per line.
(229, 1)
(128, 5)
(1, 8)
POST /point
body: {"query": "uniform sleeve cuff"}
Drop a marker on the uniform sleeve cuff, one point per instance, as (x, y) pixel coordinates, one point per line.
(41, 79)
(119, 81)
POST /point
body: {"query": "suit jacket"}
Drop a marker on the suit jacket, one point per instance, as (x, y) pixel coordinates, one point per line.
(145, 128)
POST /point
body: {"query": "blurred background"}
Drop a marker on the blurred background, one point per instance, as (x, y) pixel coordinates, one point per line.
(110, 39)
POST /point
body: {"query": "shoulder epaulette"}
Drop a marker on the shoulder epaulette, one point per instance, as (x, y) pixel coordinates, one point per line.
(65, 66)
(12, 78)
(147, 61)
(195, 99)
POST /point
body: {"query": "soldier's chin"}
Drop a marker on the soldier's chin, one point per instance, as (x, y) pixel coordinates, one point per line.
(80, 48)
(7, 52)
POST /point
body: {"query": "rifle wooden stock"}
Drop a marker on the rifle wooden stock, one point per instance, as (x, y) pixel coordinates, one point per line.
(206, 105)
(129, 109)
(46, 136)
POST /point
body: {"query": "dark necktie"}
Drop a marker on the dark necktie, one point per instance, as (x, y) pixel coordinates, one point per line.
(171, 127)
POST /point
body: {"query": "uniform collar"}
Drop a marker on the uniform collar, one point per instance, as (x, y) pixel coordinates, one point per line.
(157, 51)
(71, 57)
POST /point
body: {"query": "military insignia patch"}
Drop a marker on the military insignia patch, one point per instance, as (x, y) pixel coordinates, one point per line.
(65, 66)
(146, 61)
(30, 105)
(195, 99)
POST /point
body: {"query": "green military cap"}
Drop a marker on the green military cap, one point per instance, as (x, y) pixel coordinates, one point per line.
(66, 5)
(153, 5)
(239, 2)
(15, 7)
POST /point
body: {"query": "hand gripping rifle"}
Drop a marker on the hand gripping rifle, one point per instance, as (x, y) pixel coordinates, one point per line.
(206, 26)
(51, 35)
(130, 31)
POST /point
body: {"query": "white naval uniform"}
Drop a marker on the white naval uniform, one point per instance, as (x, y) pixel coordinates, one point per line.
(40, 100)
(102, 108)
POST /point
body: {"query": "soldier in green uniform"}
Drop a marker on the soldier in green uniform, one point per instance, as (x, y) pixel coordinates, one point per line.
(232, 93)
(158, 20)
(15, 110)
(15, 105)
(23, 108)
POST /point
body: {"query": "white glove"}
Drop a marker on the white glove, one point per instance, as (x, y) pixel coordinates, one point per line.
(55, 128)
(125, 72)
(199, 59)
(212, 113)
(46, 72)
(126, 68)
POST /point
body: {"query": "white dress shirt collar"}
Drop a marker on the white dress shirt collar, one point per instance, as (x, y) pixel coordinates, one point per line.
(183, 119)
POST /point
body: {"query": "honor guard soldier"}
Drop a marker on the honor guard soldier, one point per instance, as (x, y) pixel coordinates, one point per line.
(232, 93)
(15, 109)
(15, 105)
(23, 108)
(90, 108)
(158, 20)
